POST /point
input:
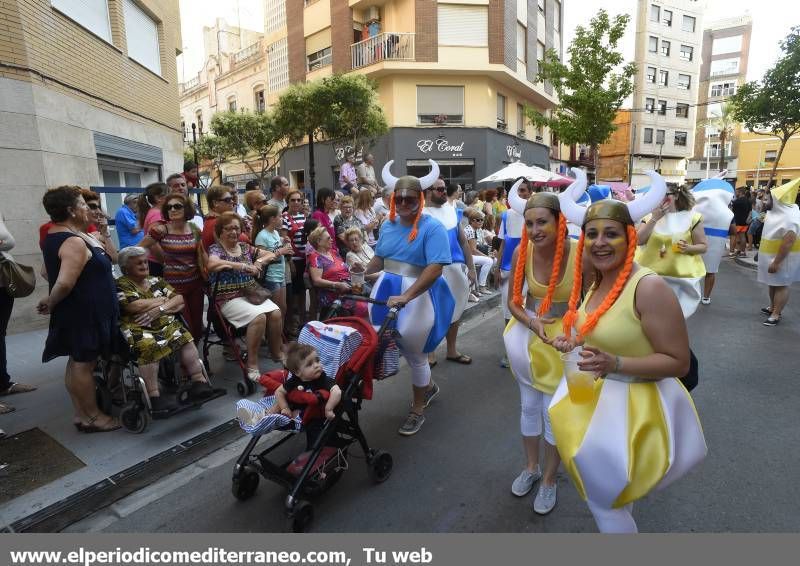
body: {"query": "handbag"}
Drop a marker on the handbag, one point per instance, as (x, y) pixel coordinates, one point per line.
(18, 280)
(255, 294)
(201, 253)
(691, 379)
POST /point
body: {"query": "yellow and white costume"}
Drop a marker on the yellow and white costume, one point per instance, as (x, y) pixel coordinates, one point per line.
(782, 218)
(682, 272)
(634, 436)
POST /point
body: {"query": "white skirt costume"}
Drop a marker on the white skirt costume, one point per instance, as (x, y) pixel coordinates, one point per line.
(712, 198)
(782, 218)
(454, 274)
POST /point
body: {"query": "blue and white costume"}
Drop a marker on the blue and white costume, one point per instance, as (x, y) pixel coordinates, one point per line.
(424, 321)
(511, 225)
(454, 274)
(712, 198)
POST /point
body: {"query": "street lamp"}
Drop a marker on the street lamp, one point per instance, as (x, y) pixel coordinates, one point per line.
(194, 142)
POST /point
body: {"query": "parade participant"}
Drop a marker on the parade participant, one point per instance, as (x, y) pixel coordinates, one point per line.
(672, 241)
(712, 197)
(545, 254)
(411, 250)
(636, 429)
(510, 234)
(460, 274)
(779, 253)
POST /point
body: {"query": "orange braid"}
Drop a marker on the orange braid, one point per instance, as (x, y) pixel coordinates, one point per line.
(614, 293)
(519, 272)
(413, 235)
(547, 302)
(392, 212)
(577, 281)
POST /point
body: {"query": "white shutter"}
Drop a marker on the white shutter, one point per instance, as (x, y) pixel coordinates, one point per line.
(463, 25)
(141, 33)
(91, 14)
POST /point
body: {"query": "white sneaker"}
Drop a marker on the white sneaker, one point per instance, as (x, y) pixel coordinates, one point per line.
(524, 482)
(706, 300)
(545, 499)
(504, 362)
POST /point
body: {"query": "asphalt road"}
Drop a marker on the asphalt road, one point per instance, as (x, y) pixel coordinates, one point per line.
(455, 475)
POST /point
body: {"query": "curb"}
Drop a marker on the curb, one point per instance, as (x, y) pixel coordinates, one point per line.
(746, 263)
(481, 307)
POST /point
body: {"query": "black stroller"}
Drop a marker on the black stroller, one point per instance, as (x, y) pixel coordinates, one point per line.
(325, 459)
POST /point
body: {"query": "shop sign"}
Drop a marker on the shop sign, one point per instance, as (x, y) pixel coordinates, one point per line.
(441, 146)
(514, 152)
(343, 150)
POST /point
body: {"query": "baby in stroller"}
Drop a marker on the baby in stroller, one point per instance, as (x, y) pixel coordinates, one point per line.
(306, 375)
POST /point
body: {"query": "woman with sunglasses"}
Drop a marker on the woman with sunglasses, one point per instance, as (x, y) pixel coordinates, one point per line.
(479, 248)
(672, 243)
(412, 249)
(220, 200)
(180, 243)
(292, 227)
(99, 227)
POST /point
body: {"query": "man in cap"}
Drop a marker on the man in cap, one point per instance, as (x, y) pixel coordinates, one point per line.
(128, 229)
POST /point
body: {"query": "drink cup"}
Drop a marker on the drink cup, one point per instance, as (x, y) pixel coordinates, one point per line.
(579, 383)
(357, 279)
(676, 239)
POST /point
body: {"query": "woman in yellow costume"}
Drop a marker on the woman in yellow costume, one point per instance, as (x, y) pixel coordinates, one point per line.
(545, 260)
(673, 243)
(640, 430)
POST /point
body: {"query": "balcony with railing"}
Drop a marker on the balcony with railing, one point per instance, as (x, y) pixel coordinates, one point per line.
(191, 84)
(243, 56)
(388, 46)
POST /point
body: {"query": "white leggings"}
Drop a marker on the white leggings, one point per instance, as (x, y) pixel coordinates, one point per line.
(420, 369)
(618, 521)
(534, 412)
(483, 265)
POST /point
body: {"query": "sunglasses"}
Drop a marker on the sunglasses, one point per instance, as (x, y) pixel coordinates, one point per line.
(406, 200)
(176, 206)
(439, 189)
(93, 206)
(227, 199)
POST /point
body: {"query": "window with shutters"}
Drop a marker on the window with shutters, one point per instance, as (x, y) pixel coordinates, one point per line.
(198, 119)
(663, 78)
(667, 19)
(522, 43)
(687, 52)
(684, 81)
(648, 135)
(688, 23)
(463, 25)
(520, 120)
(141, 33)
(321, 58)
(660, 135)
(682, 110)
(665, 45)
(501, 111)
(259, 99)
(723, 89)
(651, 74)
(680, 139)
(232, 104)
(649, 105)
(655, 13)
(440, 104)
(724, 66)
(653, 44)
(662, 107)
(91, 14)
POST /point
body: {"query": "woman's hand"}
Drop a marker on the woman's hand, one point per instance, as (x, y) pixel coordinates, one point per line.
(397, 301)
(252, 269)
(44, 306)
(660, 211)
(683, 247)
(596, 361)
(564, 344)
(537, 327)
(148, 316)
(774, 266)
(342, 287)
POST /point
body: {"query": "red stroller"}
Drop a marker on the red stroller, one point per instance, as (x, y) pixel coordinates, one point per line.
(327, 442)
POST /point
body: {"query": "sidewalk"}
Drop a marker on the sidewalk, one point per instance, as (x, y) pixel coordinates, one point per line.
(107, 455)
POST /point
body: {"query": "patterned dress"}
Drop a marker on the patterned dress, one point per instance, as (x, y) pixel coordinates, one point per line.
(164, 335)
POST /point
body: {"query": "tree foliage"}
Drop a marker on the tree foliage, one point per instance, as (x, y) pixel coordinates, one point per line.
(771, 107)
(725, 125)
(592, 87)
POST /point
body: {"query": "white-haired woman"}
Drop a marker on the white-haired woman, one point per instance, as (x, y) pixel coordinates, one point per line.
(149, 306)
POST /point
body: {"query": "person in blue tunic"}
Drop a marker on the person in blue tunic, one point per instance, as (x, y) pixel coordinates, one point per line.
(411, 252)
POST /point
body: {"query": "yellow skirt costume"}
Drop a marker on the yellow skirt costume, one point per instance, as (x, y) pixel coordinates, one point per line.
(531, 360)
(634, 436)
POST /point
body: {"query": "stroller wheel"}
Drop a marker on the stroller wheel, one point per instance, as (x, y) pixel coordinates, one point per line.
(301, 517)
(134, 417)
(245, 388)
(245, 484)
(380, 466)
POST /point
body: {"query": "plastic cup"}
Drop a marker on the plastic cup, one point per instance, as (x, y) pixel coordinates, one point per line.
(580, 384)
(357, 279)
(676, 239)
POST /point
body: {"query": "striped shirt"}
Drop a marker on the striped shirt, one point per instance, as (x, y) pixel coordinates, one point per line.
(180, 258)
(293, 224)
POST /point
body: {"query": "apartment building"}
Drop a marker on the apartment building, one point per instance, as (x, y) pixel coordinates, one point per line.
(88, 96)
(756, 155)
(614, 161)
(234, 77)
(454, 78)
(668, 45)
(726, 45)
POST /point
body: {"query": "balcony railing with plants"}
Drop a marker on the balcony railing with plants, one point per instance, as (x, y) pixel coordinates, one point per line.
(388, 46)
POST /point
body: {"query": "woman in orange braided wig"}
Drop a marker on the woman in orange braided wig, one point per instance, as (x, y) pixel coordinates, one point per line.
(545, 259)
(639, 429)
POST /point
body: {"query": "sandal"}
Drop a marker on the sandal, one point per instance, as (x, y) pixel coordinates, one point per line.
(15, 387)
(90, 427)
(460, 359)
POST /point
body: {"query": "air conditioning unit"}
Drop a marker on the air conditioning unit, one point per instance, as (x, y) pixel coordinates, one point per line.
(373, 13)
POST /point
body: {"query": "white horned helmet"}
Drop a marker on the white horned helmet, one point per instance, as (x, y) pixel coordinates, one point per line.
(406, 186)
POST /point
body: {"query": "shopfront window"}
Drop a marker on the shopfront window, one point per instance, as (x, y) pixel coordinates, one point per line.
(461, 171)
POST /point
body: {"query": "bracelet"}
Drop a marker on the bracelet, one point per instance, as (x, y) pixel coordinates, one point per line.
(530, 321)
(617, 364)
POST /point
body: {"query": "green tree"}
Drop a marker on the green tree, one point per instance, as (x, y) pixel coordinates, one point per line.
(725, 124)
(337, 109)
(592, 87)
(251, 138)
(771, 107)
(211, 149)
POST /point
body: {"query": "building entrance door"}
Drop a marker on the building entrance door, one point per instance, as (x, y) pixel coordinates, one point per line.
(459, 171)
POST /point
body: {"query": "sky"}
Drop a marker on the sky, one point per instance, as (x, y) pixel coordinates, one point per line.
(771, 22)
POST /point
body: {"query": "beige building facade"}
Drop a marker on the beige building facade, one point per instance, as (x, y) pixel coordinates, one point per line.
(88, 96)
(669, 37)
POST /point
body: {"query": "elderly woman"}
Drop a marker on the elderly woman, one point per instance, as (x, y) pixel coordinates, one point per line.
(99, 223)
(179, 240)
(343, 222)
(149, 325)
(237, 265)
(366, 214)
(672, 243)
(329, 273)
(360, 253)
(480, 250)
(82, 303)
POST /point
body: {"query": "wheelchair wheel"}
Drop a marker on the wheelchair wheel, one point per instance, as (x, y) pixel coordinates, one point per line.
(245, 483)
(134, 417)
(301, 517)
(245, 389)
(379, 466)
